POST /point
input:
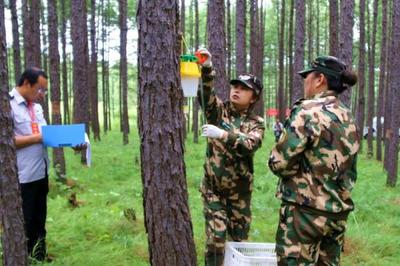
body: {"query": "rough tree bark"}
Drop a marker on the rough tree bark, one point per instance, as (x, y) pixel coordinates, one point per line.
(281, 88)
(371, 81)
(299, 50)
(44, 48)
(259, 106)
(58, 153)
(254, 42)
(31, 29)
(333, 27)
(388, 88)
(228, 40)
(123, 14)
(317, 37)
(360, 116)
(310, 29)
(14, 246)
(393, 153)
(240, 37)
(94, 110)
(195, 101)
(183, 51)
(165, 197)
(104, 68)
(217, 45)
(346, 41)
(79, 36)
(16, 45)
(290, 51)
(382, 75)
(67, 116)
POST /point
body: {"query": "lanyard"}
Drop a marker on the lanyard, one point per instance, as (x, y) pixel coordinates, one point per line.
(34, 125)
(31, 111)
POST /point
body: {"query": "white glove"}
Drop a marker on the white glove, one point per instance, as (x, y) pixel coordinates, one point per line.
(206, 53)
(212, 131)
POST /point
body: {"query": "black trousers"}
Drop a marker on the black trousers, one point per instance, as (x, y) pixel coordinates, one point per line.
(34, 205)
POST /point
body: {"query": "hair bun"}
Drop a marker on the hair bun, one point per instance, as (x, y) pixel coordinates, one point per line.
(349, 77)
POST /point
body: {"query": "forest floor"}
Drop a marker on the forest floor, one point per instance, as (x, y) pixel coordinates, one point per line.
(108, 228)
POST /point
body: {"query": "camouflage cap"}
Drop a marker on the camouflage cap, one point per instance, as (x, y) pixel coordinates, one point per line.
(328, 65)
(250, 81)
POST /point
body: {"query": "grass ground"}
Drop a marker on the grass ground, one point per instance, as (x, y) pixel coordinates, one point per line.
(99, 233)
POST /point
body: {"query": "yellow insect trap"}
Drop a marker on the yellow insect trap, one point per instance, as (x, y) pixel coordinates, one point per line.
(190, 75)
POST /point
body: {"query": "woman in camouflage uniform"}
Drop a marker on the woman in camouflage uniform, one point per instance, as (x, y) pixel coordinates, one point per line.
(233, 134)
(315, 160)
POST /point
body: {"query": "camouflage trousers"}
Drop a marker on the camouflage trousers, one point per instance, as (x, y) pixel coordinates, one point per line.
(225, 217)
(305, 238)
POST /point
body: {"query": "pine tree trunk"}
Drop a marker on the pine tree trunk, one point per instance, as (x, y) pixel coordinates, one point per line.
(94, 111)
(299, 50)
(393, 153)
(310, 30)
(167, 216)
(333, 28)
(124, 69)
(228, 40)
(317, 30)
(361, 74)
(45, 102)
(382, 75)
(107, 73)
(31, 28)
(240, 37)
(182, 51)
(254, 36)
(290, 51)
(281, 88)
(217, 45)
(388, 89)
(259, 106)
(16, 45)
(58, 153)
(346, 41)
(67, 116)
(196, 101)
(371, 82)
(14, 246)
(79, 36)
(104, 66)
(44, 44)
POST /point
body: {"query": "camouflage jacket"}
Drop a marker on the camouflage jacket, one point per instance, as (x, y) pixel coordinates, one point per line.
(229, 161)
(316, 155)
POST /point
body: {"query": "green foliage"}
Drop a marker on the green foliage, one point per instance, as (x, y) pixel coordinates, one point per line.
(108, 228)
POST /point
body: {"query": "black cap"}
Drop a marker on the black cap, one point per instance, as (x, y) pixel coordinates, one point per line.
(250, 81)
(328, 65)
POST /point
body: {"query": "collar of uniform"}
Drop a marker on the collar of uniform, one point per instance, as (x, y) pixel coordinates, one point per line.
(234, 112)
(17, 96)
(324, 94)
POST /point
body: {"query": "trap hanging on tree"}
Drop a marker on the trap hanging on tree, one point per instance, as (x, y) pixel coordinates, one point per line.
(190, 75)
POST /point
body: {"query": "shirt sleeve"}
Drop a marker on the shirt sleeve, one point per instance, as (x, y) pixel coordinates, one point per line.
(40, 115)
(246, 144)
(210, 103)
(299, 131)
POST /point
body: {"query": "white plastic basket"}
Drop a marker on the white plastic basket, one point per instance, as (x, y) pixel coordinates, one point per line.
(249, 254)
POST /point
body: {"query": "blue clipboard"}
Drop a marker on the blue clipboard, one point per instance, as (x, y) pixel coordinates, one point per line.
(59, 136)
